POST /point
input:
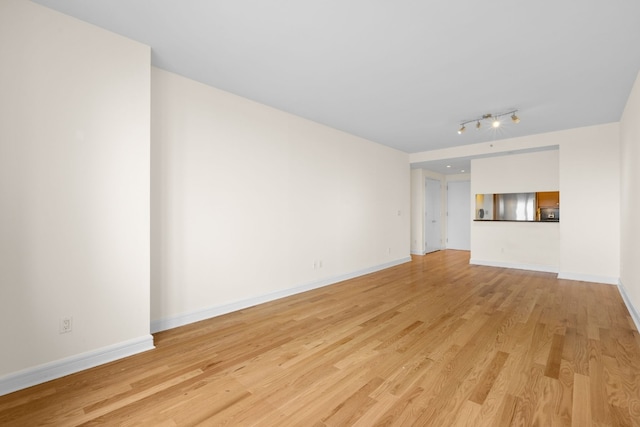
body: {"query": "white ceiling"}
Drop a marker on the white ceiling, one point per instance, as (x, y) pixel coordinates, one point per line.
(402, 73)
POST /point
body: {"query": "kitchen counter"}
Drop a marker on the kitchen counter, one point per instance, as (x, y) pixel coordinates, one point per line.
(514, 220)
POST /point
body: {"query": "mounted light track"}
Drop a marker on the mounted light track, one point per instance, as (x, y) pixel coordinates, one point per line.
(493, 118)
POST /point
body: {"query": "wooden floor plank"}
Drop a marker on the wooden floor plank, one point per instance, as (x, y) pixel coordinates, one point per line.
(581, 410)
(436, 341)
(488, 378)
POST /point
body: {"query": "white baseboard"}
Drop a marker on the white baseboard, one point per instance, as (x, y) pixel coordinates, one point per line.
(207, 313)
(517, 266)
(635, 316)
(548, 269)
(70, 365)
(588, 278)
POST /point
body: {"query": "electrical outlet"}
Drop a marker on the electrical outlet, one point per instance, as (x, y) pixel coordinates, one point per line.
(66, 325)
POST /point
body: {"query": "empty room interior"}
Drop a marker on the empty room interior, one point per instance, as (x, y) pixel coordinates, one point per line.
(319, 213)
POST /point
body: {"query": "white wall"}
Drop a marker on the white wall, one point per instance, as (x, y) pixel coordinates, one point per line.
(250, 203)
(458, 177)
(533, 246)
(630, 202)
(590, 204)
(417, 211)
(74, 194)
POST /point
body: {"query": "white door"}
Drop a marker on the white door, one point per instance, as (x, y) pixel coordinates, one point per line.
(459, 215)
(432, 231)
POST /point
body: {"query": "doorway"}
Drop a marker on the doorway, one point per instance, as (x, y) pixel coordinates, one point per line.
(432, 225)
(459, 215)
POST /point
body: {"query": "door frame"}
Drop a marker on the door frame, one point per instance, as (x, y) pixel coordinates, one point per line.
(438, 185)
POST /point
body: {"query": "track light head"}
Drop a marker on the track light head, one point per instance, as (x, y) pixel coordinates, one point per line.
(495, 123)
(514, 118)
(461, 130)
(478, 125)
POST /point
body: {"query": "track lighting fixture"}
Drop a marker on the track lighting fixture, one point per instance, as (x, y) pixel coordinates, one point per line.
(494, 118)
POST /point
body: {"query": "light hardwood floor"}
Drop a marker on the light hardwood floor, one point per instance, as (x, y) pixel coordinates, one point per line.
(434, 342)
